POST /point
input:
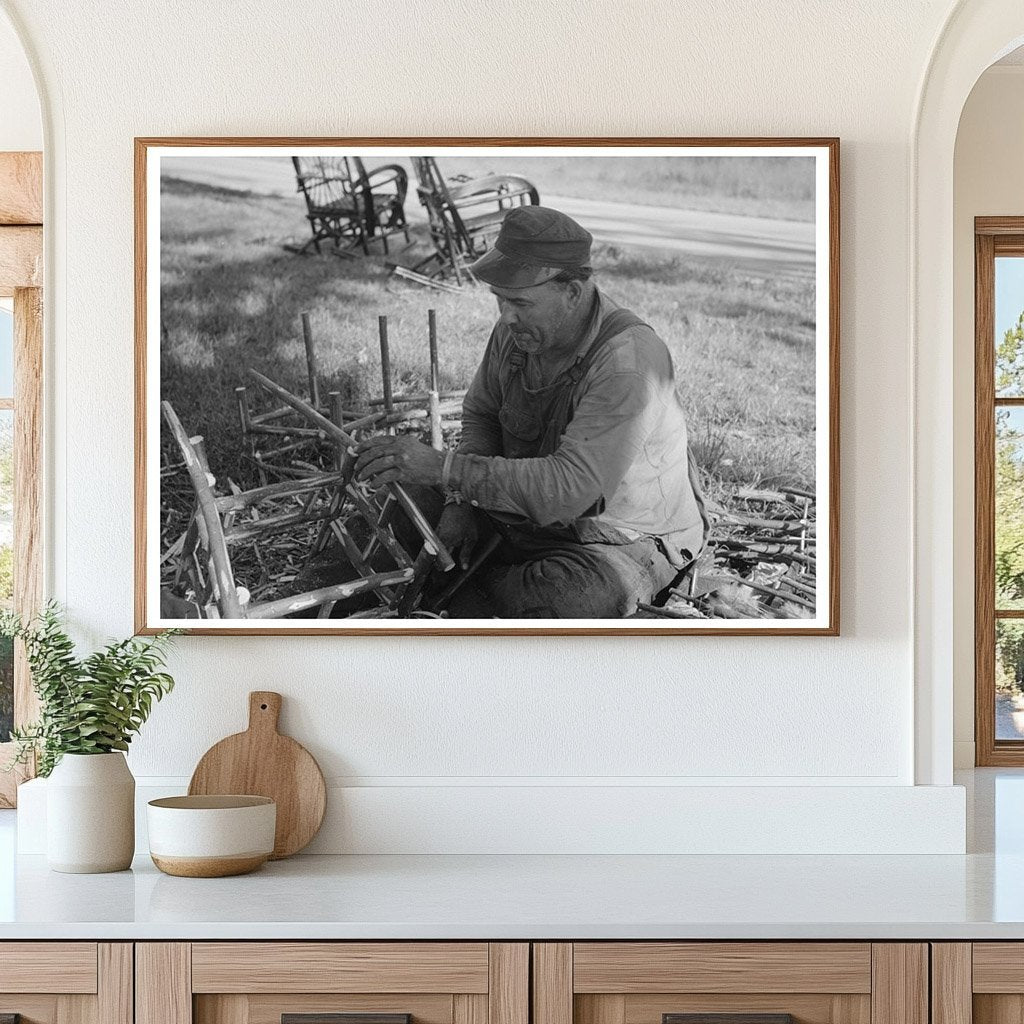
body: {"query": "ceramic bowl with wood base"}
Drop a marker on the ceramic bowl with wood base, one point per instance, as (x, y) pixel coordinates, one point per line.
(211, 836)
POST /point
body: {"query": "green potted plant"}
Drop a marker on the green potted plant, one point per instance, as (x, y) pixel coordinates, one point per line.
(89, 710)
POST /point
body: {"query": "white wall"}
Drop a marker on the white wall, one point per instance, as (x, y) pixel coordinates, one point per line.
(21, 127)
(428, 714)
(987, 182)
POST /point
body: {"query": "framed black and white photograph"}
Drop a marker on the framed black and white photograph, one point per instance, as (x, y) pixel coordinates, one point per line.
(507, 386)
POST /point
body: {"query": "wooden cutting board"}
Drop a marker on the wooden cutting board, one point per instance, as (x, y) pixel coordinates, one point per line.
(262, 762)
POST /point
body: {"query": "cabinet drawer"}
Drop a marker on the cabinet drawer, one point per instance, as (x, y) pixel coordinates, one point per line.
(340, 1008)
(730, 983)
(64, 967)
(635, 967)
(642, 982)
(981, 982)
(66, 982)
(340, 967)
(998, 967)
(332, 983)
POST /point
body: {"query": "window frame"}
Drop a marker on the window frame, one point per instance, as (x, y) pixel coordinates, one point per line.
(993, 237)
(21, 270)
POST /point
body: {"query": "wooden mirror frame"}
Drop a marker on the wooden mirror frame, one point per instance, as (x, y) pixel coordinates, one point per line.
(21, 278)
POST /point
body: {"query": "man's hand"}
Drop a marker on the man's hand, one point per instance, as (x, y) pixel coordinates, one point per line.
(458, 531)
(385, 460)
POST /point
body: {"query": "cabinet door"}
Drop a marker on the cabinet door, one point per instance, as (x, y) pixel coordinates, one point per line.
(332, 983)
(730, 983)
(66, 982)
(981, 982)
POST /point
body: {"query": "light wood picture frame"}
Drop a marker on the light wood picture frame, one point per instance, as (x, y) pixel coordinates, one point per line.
(271, 316)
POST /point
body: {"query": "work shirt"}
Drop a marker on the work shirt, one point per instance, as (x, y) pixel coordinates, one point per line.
(619, 468)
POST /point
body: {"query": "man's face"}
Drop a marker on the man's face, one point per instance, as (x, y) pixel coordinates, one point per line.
(535, 316)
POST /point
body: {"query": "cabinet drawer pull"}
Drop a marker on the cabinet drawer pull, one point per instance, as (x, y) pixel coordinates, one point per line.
(727, 1018)
(339, 1018)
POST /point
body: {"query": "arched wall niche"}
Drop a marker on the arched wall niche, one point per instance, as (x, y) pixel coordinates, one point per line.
(976, 34)
(989, 146)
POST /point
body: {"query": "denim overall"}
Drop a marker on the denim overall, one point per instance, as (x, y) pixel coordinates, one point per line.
(579, 570)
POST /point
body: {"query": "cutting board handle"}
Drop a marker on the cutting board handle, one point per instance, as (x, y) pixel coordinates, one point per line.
(264, 710)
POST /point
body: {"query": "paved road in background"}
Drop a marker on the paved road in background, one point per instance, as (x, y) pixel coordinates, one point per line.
(1009, 719)
(759, 245)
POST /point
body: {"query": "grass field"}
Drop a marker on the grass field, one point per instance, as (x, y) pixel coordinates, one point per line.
(231, 298)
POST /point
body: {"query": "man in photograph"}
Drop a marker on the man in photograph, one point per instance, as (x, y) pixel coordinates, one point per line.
(574, 445)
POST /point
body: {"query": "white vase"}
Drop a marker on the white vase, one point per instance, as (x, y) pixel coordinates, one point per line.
(90, 814)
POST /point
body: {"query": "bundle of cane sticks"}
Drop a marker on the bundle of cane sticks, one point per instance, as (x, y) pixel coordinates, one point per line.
(760, 561)
(300, 448)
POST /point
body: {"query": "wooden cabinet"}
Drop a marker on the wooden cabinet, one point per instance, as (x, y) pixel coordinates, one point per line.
(66, 982)
(512, 982)
(652, 982)
(304, 982)
(979, 982)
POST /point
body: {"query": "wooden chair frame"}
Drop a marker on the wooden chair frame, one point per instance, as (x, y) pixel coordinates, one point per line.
(346, 203)
(223, 521)
(464, 217)
(329, 499)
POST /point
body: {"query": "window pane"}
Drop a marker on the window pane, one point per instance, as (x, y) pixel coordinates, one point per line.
(6, 567)
(1009, 679)
(6, 353)
(1009, 323)
(1009, 522)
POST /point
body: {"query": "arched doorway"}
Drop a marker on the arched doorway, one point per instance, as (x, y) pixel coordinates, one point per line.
(977, 33)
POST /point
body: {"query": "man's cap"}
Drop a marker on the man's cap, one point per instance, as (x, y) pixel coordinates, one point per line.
(535, 243)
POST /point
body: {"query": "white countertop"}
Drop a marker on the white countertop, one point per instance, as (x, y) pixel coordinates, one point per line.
(496, 897)
(980, 895)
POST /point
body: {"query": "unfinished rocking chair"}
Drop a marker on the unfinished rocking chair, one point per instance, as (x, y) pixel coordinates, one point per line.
(464, 218)
(328, 502)
(350, 206)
